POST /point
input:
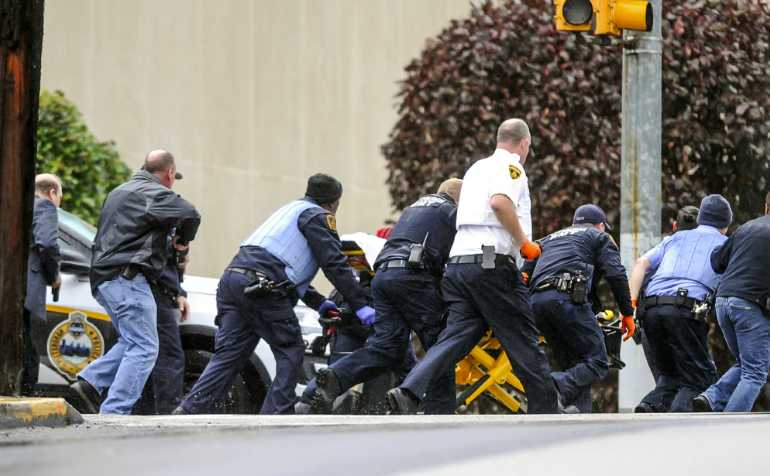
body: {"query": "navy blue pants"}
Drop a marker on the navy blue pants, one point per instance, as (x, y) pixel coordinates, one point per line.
(680, 346)
(32, 367)
(479, 299)
(577, 342)
(404, 300)
(352, 339)
(243, 322)
(648, 354)
(165, 387)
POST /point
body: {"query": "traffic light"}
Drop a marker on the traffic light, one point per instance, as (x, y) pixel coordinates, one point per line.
(614, 15)
(574, 15)
(610, 15)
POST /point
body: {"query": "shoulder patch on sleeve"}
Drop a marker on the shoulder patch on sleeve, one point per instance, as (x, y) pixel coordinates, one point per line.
(613, 241)
(514, 171)
(331, 220)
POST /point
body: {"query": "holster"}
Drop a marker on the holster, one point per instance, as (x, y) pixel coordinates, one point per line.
(130, 271)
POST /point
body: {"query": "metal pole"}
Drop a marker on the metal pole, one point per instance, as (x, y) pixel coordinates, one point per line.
(640, 187)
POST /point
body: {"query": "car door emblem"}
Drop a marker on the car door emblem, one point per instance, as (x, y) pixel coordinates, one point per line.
(74, 343)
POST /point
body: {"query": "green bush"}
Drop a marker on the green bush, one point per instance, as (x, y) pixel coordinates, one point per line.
(89, 169)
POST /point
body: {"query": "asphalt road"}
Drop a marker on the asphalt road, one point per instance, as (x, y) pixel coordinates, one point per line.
(300, 445)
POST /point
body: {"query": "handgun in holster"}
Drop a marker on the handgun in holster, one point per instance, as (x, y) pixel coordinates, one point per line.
(701, 310)
(130, 271)
(416, 252)
(260, 286)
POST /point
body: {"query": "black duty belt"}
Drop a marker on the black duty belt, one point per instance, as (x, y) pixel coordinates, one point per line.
(685, 302)
(555, 282)
(477, 259)
(246, 272)
(393, 263)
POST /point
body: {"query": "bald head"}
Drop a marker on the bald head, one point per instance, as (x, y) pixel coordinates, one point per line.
(161, 164)
(48, 186)
(513, 136)
(452, 188)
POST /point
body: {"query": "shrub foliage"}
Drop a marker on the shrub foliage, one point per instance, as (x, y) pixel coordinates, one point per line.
(89, 169)
(507, 60)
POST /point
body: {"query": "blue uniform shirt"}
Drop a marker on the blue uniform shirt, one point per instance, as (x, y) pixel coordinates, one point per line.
(570, 250)
(686, 255)
(319, 227)
(432, 215)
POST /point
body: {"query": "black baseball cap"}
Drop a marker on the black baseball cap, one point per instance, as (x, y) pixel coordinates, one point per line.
(590, 214)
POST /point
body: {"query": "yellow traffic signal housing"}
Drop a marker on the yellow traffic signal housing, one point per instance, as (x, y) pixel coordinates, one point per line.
(574, 15)
(614, 15)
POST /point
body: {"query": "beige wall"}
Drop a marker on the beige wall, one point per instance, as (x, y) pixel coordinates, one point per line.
(251, 97)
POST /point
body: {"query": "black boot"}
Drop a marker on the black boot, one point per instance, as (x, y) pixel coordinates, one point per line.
(326, 393)
(644, 408)
(402, 402)
(180, 411)
(701, 404)
(84, 397)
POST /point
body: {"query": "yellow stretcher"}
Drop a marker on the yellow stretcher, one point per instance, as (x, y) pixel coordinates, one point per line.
(487, 371)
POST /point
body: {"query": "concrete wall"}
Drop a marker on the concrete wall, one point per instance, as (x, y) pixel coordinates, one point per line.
(251, 96)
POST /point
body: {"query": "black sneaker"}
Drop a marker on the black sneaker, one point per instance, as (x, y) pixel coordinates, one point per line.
(180, 411)
(701, 404)
(644, 408)
(326, 393)
(85, 398)
(402, 402)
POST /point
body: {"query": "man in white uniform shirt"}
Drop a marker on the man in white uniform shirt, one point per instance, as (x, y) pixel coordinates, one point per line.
(482, 283)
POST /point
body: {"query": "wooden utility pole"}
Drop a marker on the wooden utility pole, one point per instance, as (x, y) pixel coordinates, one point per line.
(21, 46)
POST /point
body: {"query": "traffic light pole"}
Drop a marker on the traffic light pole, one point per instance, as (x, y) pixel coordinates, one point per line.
(640, 188)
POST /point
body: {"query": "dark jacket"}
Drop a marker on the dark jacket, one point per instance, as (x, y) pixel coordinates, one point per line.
(325, 244)
(44, 255)
(432, 215)
(744, 261)
(136, 220)
(570, 250)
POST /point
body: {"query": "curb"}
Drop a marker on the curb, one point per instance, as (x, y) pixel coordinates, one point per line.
(25, 412)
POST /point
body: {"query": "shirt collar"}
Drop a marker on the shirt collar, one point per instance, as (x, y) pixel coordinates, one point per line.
(507, 155)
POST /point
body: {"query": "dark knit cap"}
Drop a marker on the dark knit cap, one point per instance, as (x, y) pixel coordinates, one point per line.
(324, 189)
(715, 211)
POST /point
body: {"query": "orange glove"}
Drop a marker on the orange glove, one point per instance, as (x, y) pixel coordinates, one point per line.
(525, 276)
(531, 250)
(628, 326)
(633, 303)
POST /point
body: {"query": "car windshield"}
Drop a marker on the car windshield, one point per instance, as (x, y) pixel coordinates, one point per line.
(77, 225)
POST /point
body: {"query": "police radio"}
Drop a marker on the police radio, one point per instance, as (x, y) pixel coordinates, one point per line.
(580, 289)
(416, 253)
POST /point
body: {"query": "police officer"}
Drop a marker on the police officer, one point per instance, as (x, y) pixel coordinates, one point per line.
(743, 312)
(42, 269)
(407, 297)
(675, 308)
(572, 263)
(258, 291)
(165, 387)
(686, 219)
(482, 284)
(129, 256)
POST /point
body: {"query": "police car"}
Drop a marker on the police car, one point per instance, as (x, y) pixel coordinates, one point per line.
(78, 330)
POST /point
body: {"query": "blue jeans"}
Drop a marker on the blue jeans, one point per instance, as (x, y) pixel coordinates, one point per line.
(747, 333)
(125, 368)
